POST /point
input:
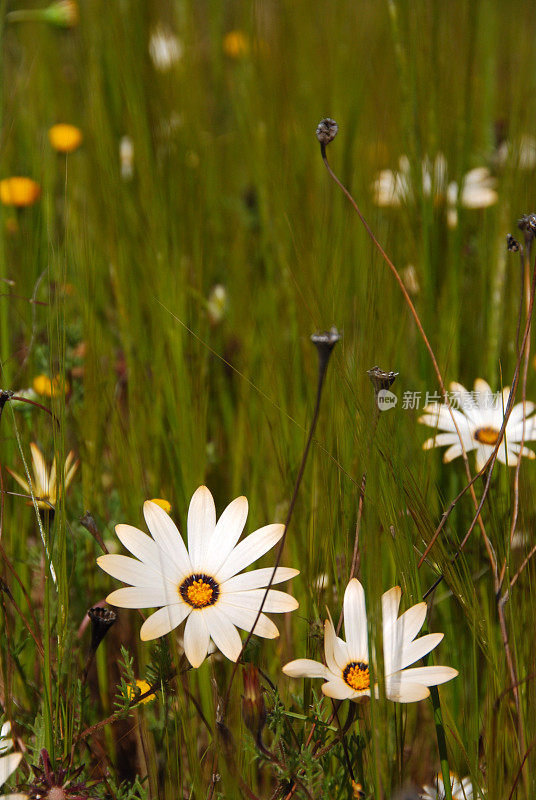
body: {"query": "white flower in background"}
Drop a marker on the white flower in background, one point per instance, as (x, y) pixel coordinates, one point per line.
(8, 762)
(44, 484)
(217, 304)
(165, 48)
(522, 152)
(200, 584)
(394, 188)
(479, 420)
(126, 157)
(346, 671)
(461, 789)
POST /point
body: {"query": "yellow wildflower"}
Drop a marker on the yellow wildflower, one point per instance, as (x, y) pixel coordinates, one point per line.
(19, 191)
(50, 387)
(65, 138)
(143, 686)
(236, 44)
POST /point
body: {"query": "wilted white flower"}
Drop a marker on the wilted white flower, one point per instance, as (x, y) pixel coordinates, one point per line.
(44, 484)
(479, 420)
(200, 584)
(346, 672)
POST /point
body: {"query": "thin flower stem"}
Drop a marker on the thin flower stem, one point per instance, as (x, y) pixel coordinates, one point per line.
(417, 320)
(441, 741)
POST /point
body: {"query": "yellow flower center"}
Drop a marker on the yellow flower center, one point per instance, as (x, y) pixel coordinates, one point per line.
(486, 435)
(356, 675)
(199, 591)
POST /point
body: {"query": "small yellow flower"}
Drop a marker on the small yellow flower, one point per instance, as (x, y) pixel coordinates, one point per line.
(236, 44)
(165, 504)
(50, 387)
(65, 138)
(44, 484)
(19, 191)
(143, 686)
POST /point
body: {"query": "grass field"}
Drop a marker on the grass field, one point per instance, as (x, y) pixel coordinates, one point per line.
(158, 295)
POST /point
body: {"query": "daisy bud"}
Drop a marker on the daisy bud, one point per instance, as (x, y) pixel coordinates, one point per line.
(253, 708)
(102, 620)
(380, 379)
(512, 244)
(326, 131)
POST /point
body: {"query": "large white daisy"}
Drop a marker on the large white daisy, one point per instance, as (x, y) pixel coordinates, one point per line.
(8, 762)
(200, 584)
(346, 670)
(461, 789)
(479, 420)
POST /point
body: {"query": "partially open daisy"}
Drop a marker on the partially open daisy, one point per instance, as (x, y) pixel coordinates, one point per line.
(200, 584)
(479, 420)
(461, 789)
(8, 762)
(45, 484)
(347, 668)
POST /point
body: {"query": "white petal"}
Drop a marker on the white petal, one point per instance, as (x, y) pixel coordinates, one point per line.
(517, 412)
(226, 534)
(514, 450)
(222, 632)
(405, 692)
(329, 649)
(142, 597)
(439, 416)
(390, 606)
(428, 676)
(483, 452)
(245, 617)
(415, 650)
(337, 689)
(250, 549)
(196, 639)
(257, 578)
(146, 550)
(163, 621)
(40, 471)
(167, 536)
(485, 395)
(276, 602)
(129, 570)
(16, 796)
(355, 621)
(410, 622)
(306, 668)
(8, 764)
(201, 524)
(453, 452)
(514, 433)
(441, 439)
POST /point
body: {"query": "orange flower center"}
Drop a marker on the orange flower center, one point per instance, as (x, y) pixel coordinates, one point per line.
(356, 675)
(199, 591)
(486, 435)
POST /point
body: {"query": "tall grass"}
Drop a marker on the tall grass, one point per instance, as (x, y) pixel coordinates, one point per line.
(105, 283)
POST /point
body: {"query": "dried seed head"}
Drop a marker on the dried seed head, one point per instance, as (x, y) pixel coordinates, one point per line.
(512, 244)
(380, 379)
(527, 224)
(326, 131)
(102, 620)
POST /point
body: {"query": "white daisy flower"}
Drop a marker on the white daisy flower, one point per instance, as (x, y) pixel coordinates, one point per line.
(200, 584)
(346, 671)
(165, 48)
(8, 762)
(479, 420)
(45, 485)
(461, 789)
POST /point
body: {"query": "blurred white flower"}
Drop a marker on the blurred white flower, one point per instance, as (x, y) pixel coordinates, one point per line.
(461, 789)
(394, 188)
(217, 304)
(126, 157)
(479, 420)
(522, 152)
(165, 48)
